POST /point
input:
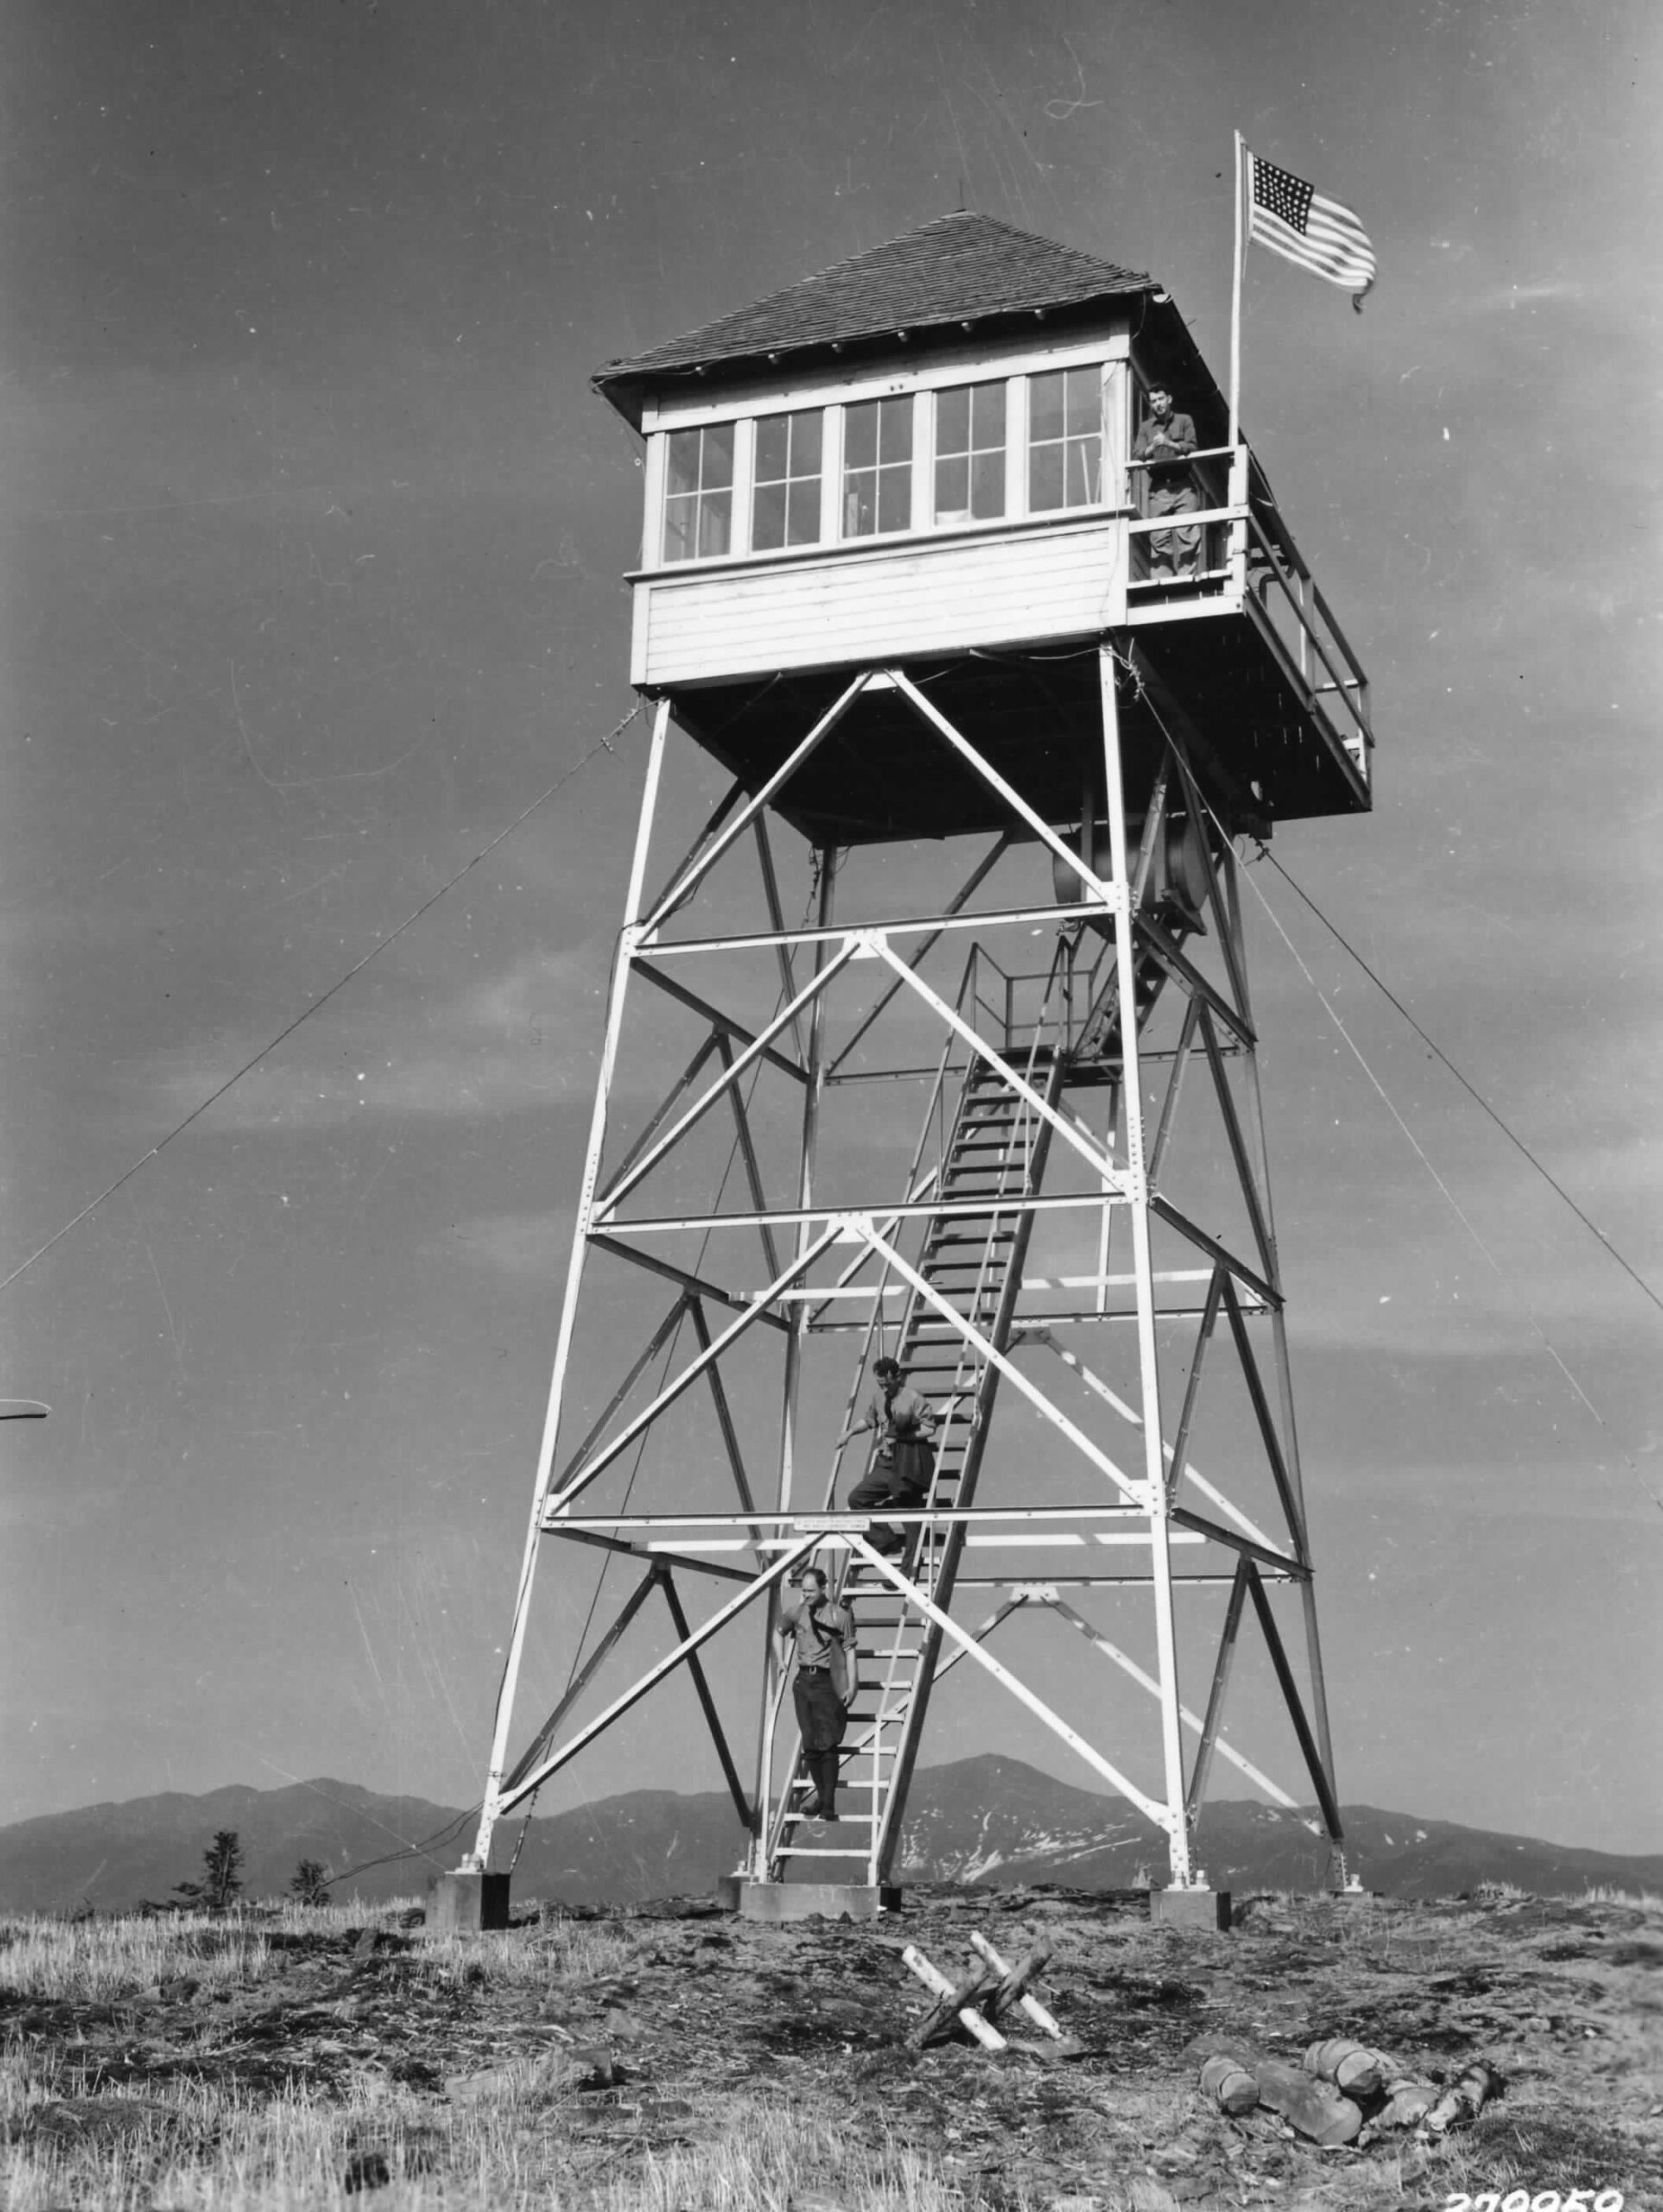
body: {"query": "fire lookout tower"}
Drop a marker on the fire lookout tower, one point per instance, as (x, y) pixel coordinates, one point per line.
(991, 1105)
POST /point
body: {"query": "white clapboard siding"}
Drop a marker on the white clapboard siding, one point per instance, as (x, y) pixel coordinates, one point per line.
(884, 603)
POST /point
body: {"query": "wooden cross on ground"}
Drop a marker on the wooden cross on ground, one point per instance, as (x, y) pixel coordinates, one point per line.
(976, 2002)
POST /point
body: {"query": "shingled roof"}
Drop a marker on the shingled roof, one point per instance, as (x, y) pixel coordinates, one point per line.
(962, 267)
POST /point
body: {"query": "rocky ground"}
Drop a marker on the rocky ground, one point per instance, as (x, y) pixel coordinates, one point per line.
(673, 2056)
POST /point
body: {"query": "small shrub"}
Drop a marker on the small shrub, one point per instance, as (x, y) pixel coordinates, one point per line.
(309, 1883)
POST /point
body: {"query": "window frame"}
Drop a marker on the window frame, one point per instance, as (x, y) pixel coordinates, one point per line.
(907, 466)
(739, 426)
(1065, 442)
(789, 416)
(968, 519)
(1110, 355)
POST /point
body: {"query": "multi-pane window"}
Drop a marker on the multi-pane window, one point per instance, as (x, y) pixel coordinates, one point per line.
(877, 466)
(785, 506)
(1065, 439)
(699, 493)
(970, 453)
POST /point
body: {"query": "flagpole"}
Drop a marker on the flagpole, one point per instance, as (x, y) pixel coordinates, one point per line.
(1235, 308)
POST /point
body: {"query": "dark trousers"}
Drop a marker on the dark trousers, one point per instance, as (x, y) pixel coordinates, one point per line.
(902, 1480)
(820, 1719)
(1177, 548)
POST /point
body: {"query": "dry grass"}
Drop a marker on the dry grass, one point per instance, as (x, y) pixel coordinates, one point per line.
(203, 2152)
(99, 1961)
(102, 1961)
(143, 2101)
(568, 1950)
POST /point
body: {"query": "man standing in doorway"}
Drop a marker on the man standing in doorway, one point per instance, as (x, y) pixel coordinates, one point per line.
(1166, 442)
(900, 1473)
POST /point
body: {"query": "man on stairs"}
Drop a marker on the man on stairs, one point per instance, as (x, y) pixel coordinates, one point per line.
(822, 1634)
(900, 1473)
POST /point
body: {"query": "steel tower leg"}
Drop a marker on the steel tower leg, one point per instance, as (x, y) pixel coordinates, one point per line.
(772, 1661)
(1143, 1267)
(1280, 1339)
(480, 1855)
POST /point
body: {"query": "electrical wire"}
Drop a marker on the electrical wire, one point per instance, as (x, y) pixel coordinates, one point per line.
(216, 1094)
(1473, 1092)
(407, 1850)
(1456, 1206)
(1541, 1333)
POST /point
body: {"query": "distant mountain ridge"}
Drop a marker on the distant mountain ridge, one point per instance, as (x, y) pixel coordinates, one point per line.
(991, 1819)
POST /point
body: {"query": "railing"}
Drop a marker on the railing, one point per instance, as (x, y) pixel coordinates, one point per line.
(1209, 475)
(1043, 1006)
(1247, 554)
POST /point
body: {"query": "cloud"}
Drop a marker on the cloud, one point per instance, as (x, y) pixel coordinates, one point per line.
(523, 1038)
(1498, 298)
(536, 1245)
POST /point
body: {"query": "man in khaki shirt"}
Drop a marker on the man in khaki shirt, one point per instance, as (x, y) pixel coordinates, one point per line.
(1166, 442)
(823, 1635)
(900, 1473)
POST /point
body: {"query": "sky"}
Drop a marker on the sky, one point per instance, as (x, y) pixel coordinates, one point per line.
(312, 543)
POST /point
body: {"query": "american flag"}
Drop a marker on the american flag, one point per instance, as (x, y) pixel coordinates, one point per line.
(1314, 232)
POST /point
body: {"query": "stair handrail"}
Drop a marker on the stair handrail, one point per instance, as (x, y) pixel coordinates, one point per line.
(919, 1182)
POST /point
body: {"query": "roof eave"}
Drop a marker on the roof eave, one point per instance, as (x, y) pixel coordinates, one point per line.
(626, 385)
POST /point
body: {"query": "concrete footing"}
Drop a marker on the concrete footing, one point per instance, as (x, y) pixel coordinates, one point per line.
(777, 1901)
(1190, 1907)
(465, 1903)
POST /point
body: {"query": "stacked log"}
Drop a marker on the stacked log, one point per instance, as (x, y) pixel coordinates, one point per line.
(1341, 2088)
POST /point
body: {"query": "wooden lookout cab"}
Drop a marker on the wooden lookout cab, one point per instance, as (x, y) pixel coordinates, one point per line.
(923, 455)
(906, 574)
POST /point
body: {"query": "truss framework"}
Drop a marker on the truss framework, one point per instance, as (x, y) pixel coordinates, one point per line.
(1003, 1149)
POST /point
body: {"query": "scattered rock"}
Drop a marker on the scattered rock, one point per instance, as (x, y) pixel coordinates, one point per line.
(1465, 2101)
(474, 2088)
(599, 2069)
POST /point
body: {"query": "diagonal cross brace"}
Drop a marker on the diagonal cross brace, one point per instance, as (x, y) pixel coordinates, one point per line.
(1177, 1466)
(701, 865)
(580, 1479)
(1118, 1178)
(607, 1204)
(910, 1594)
(707, 1704)
(861, 1226)
(768, 1580)
(1113, 896)
(1146, 1680)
